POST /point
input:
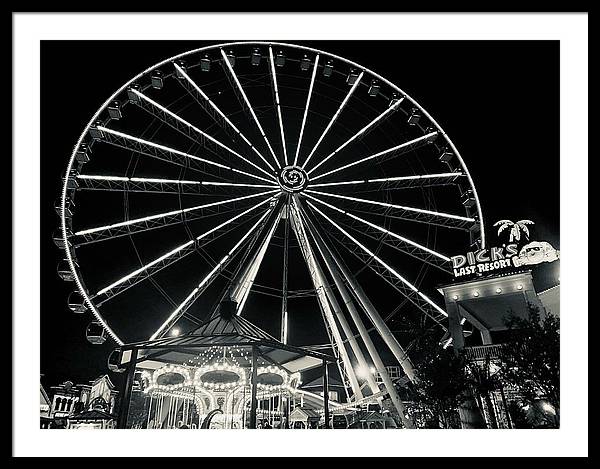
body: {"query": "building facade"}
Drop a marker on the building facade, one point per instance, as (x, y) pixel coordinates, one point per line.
(72, 406)
(478, 311)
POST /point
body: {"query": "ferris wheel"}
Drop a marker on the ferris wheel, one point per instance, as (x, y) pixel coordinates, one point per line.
(192, 171)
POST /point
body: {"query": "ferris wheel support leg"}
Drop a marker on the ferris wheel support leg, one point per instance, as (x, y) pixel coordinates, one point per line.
(344, 324)
(379, 366)
(348, 333)
(317, 277)
(362, 362)
(378, 322)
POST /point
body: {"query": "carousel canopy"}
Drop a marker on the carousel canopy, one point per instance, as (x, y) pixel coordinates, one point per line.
(223, 331)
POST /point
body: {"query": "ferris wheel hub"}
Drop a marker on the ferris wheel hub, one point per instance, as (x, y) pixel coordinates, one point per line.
(292, 179)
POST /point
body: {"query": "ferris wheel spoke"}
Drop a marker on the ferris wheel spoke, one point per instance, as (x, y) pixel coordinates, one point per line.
(162, 152)
(156, 185)
(242, 287)
(396, 241)
(400, 182)
(333, 119)
(389, 153)
(418, 298)
(219, 116)
(387, 272)
(239, 87)
(367, 128)
(408, 213)
(158, 220)
(171, 257)
(189, 130)
(278, 104)
(401, 246)
(207, 280)
(308, 98)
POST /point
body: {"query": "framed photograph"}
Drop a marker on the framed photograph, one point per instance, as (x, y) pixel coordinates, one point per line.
(243, 232)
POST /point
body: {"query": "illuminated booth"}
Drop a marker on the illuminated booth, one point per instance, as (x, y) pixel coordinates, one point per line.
(227, 373)
(304, 418)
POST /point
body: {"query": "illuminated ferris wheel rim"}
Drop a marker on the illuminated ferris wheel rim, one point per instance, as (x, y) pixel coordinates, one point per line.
(291, 188)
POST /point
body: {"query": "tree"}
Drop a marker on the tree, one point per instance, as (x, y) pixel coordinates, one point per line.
(518, 415)
(442, 383)
(530, 363)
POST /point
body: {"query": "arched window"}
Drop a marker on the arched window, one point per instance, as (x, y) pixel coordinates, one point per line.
(57, 404)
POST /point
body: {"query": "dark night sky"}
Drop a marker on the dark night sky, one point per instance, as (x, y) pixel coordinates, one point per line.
(498, 102)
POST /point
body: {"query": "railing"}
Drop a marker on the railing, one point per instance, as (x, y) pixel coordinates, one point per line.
(482, 352)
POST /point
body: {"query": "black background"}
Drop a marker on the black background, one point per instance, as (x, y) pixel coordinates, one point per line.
(498, 101)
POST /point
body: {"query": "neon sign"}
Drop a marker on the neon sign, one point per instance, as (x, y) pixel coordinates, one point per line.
(507, 256)
(484, 260)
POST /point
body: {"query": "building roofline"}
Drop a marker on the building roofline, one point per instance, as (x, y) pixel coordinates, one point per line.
(94, 381)
(490, 278)
(548, 289)
(45, 394)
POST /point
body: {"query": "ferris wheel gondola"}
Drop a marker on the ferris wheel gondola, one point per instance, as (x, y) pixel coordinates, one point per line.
(95, 333)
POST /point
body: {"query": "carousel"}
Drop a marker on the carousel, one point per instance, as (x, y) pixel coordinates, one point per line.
(227, 373)
(213, 391)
